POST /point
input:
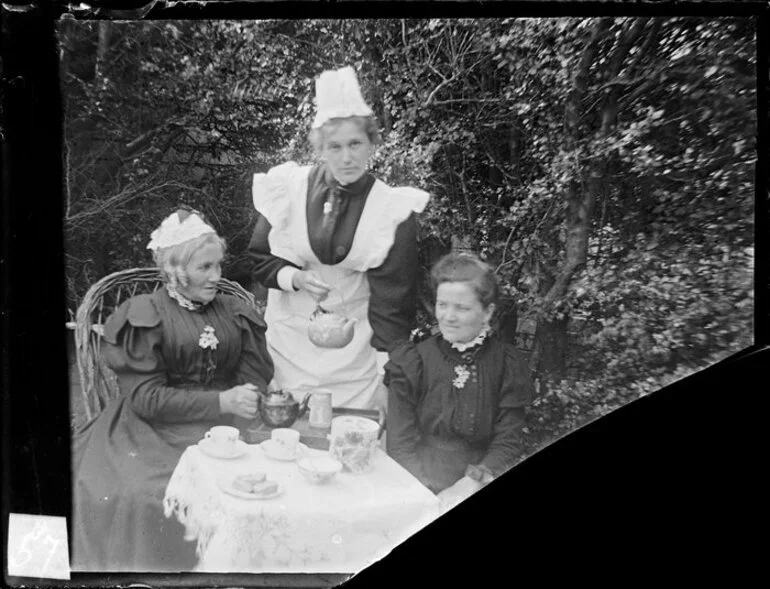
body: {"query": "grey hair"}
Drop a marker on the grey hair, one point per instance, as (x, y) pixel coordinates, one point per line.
(173, 260)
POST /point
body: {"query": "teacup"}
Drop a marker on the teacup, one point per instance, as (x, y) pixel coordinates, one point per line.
(285, 441)
(223, 438)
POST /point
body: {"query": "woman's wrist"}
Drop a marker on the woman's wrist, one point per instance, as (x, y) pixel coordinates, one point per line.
(285, 278)
(224, 405)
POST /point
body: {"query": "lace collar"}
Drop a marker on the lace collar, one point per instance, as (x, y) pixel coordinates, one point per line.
(183, 301)
(477, 341)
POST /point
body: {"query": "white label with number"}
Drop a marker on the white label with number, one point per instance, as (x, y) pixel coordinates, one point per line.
(37, 546)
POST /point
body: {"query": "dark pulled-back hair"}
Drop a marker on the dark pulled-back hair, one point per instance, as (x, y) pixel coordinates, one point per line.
(467, 268)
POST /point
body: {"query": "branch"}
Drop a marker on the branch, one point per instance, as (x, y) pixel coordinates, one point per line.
(145, 138)
(652, 81)
(429, 101)
(313, 48)
(117, 200)
(438, 73)
(505, 250)
(406, 46)
(580, 83)
(105, 28)
(650, 40)
(477, 100)
(625, 42)
(624, 81)
(558, 288)
(624, 45)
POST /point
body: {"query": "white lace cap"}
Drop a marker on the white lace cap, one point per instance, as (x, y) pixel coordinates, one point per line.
(338, 96)
(174, 231)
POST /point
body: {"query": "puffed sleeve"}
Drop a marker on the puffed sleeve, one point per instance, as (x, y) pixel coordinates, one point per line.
(256, 365)
(403, 376)
(270, 248)
(516, 393)
(393, 286)
(132, 348)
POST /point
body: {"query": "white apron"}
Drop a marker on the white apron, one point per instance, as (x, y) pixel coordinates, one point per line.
(350, 372)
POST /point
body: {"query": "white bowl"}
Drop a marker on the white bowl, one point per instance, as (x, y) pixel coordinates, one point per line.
(319, 470)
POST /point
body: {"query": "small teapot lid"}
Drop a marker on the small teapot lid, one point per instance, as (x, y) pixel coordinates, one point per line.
(279, 397)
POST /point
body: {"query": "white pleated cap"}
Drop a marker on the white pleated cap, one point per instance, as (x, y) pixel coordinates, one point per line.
(338, 96)
(177, 228)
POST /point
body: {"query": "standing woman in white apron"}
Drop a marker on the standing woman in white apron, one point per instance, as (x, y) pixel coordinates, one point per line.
(333, 233)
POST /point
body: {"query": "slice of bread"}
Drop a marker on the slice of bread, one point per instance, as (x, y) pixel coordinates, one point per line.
(246, 482)
(265, 488)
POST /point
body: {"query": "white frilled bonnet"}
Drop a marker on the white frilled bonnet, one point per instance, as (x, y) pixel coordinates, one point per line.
(338, 96)
(178, 227)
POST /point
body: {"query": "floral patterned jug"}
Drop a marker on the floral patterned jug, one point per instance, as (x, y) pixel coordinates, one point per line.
(353, 441)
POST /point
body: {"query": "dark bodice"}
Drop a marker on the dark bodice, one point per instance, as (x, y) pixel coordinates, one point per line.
(474, 399)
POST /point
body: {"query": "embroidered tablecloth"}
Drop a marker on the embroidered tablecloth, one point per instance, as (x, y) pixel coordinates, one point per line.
(341, 526)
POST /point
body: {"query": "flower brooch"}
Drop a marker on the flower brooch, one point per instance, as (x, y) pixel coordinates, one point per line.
(462, 373)
(208, 339)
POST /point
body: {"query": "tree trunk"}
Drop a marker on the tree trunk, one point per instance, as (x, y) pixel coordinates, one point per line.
(549, 356)
(514, 147)
(581, 193)
(105, 32)
(579, 203)
(507, 321)
(552, 357)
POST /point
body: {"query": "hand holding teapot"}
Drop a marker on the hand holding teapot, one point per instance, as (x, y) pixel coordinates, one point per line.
(311, 283)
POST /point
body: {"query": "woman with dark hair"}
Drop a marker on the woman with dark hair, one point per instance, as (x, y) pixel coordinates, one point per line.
(456, 400)
(186, 359)
(332, 233)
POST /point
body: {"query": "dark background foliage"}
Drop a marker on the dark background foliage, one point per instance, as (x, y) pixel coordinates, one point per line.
(603, 166)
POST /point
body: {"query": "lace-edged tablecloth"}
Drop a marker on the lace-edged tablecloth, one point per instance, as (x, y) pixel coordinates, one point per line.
(338, 527)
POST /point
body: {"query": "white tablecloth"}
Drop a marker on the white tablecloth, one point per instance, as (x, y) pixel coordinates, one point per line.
(338, 527)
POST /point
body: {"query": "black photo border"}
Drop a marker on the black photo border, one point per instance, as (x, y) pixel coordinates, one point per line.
(663, 485)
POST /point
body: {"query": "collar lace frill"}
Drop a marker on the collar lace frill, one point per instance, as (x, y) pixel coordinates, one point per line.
(467, 350)
(477, 341)
(183, 301)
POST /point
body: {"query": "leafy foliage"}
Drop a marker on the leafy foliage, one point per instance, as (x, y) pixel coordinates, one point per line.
(602, 166)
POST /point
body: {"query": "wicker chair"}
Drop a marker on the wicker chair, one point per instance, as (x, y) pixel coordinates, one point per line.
(98, 382)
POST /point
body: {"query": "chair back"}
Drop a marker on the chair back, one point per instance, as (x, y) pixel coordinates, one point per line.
(98, 382)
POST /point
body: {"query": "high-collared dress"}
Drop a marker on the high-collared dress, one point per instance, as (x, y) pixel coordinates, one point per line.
(453, 412)
(362, 240)
(169, 397)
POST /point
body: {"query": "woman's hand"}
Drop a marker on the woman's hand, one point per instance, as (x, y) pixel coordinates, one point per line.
(458, 492)
(311, 283)
(240, 400)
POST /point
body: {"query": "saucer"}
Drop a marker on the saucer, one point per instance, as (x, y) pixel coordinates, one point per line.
(210, 449)
(227, 487)
(268, 447)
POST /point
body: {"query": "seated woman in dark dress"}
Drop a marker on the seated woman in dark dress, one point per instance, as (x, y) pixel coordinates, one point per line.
(186, 359)
(456, 400)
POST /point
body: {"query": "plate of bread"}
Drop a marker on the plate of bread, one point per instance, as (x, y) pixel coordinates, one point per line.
(254, 485)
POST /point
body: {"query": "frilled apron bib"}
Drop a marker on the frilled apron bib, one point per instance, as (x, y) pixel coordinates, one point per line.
(350, 372)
